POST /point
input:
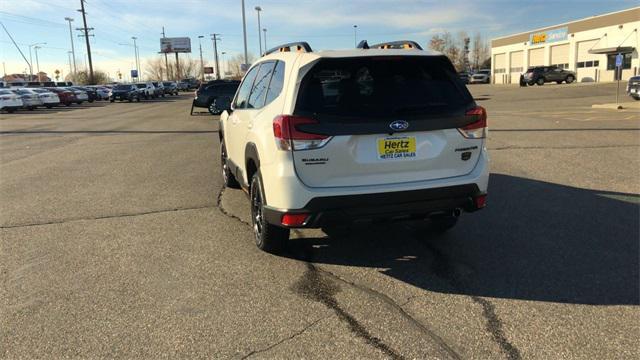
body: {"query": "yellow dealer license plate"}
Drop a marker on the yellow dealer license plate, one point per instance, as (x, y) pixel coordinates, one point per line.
(397, 147)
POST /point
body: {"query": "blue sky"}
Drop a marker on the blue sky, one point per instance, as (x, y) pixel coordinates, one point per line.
(324, 24)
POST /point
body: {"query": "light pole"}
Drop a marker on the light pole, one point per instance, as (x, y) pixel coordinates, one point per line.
(73, 50)
(355, 35)
(135, 47)
(224, 64)
(201, 61)
(265, 39)
(31, 61)
(135, 54)
(37, 62)
(244, 35)
(70, 68)
(258, 9)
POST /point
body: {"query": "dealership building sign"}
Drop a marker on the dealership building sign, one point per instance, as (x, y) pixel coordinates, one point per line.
(549, 36)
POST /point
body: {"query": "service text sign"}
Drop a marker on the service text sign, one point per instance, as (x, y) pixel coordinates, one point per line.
(549, 36)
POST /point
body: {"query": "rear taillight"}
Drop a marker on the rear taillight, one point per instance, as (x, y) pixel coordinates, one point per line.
(290, 137)
(478, 128)
(480, 201)
(294, 219)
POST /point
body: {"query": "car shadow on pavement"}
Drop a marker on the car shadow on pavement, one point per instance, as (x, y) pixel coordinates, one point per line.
(535, 241)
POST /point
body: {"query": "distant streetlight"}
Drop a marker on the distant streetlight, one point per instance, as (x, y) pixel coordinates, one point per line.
(73, 50)
(201, 61)
(31, 61)
(258, 9)
(224, 63)
(355, 35)
(135, 47)
(37, 61)
(265, 39)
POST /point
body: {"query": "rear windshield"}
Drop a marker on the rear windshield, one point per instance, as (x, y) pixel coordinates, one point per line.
(141, 86)
(167, 84)
(5, 92)
(382, 87)
(122, 87)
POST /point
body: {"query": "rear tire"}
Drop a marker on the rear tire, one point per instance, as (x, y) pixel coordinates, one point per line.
(11, 111)
(269, 238)
(540, 81)
(569, 79)
(111, 100)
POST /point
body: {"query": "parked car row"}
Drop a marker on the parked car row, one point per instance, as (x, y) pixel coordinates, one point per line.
(29, 98)
(139, 91)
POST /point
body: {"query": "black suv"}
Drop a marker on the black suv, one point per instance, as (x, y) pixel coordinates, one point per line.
(544, 74)
(207, 94)
(124, 92)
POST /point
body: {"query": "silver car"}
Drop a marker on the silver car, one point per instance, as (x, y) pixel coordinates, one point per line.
(30, 99)
(49, 99)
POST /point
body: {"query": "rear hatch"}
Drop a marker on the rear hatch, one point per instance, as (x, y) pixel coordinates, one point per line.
(386, 119)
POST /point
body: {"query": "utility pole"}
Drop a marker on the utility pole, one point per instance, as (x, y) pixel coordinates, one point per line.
(37, 62)
(244, 35)
(258, 9)
(73, 50)
(177, 68)
(201, 61)
(215, 39)
(86, 37)
(166, 60)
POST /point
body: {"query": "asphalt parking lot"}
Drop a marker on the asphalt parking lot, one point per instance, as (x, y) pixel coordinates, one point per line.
(118, 240)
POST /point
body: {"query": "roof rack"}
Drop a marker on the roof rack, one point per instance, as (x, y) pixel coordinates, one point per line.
(402, 44)
(301, 46)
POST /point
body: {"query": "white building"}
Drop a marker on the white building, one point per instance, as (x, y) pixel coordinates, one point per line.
(588, 46)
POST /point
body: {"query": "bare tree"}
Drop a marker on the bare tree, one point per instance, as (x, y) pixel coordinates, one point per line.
(234, 65)
(480, 52)
(82, 77)
(436, 43)
(188, 68)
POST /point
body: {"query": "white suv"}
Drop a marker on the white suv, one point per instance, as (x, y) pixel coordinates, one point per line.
(381, 132)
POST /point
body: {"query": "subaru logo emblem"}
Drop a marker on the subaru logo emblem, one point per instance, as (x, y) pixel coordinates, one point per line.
(399, 125)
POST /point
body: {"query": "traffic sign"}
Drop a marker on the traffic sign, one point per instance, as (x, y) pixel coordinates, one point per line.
(619, 60)
(134, 73)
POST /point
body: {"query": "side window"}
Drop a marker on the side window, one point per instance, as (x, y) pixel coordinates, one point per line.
(245, 89)
(277, 80)
(256, 99)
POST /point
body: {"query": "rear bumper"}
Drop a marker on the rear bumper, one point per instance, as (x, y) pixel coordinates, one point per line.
(396, 205)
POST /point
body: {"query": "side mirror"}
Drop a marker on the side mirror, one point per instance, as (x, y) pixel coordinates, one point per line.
(223, 103)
